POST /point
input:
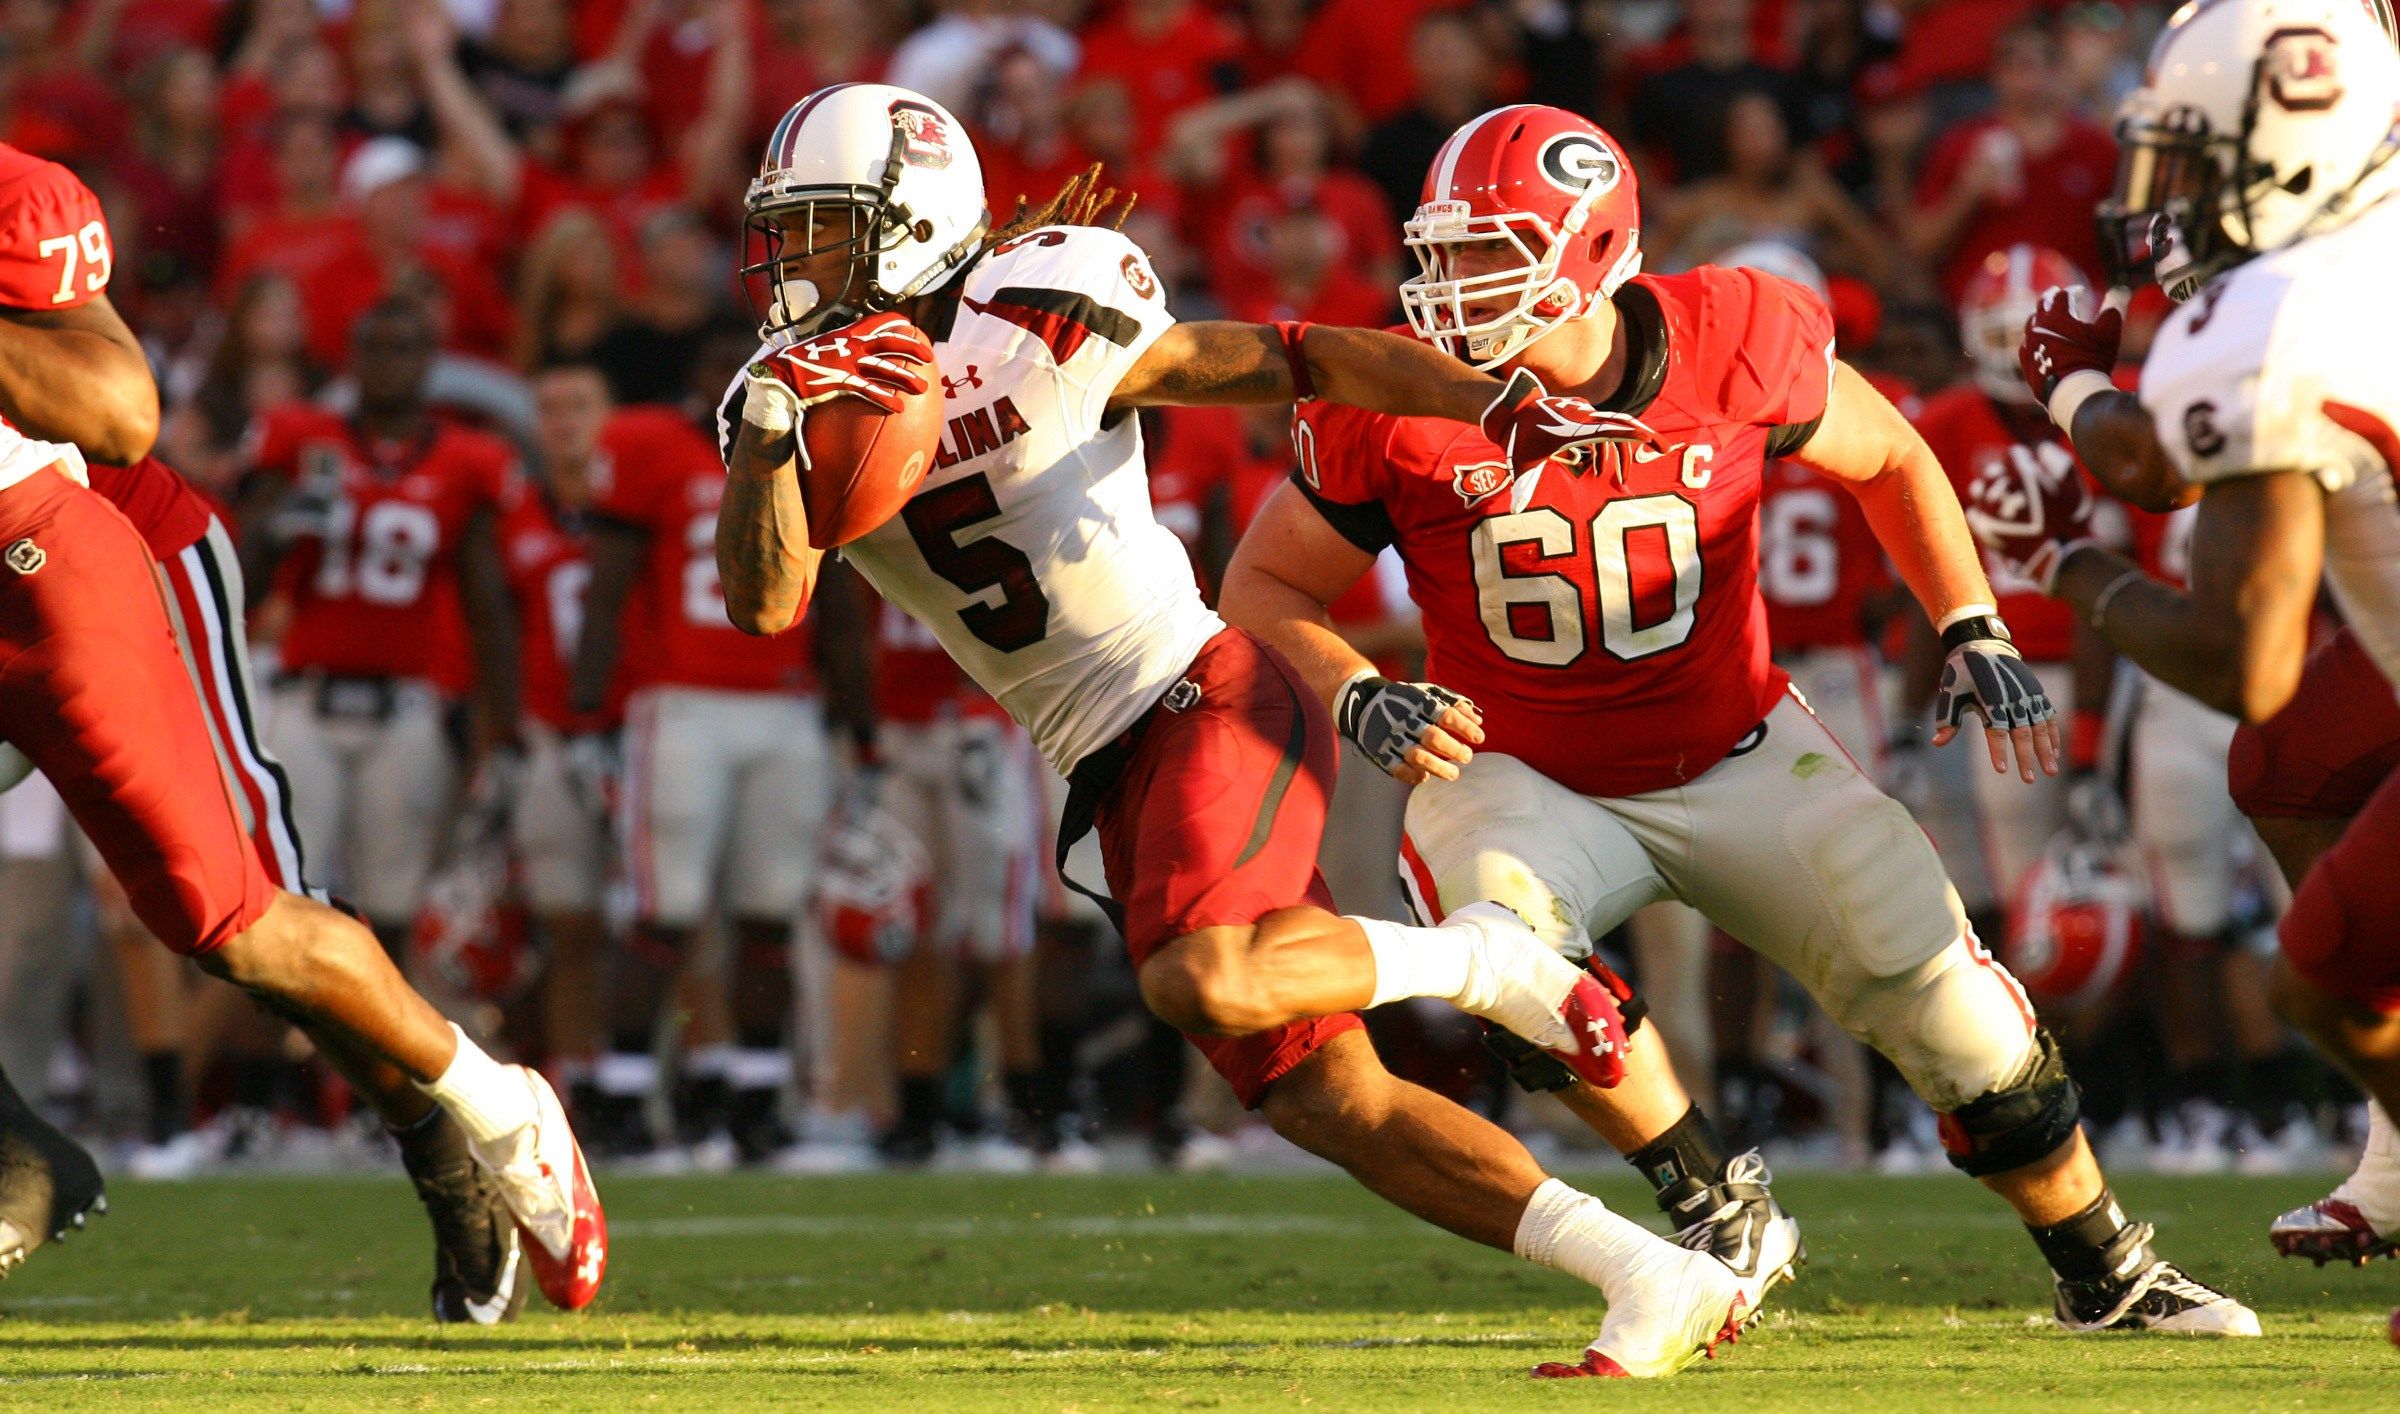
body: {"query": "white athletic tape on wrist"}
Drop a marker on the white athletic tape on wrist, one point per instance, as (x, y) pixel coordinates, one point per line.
(2072, 392)
(770, 407)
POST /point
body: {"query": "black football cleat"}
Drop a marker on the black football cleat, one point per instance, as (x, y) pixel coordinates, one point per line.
(478, 1258)
(1738, 1221)
(48, 1185)
(2151, 1294)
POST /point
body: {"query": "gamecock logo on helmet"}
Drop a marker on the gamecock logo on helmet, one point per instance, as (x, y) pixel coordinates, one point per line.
(2301, 74)
(924, 142)
(1574, 162)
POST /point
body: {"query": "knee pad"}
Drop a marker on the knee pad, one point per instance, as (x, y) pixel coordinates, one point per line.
(1538, 1072)
(1955, 1025)
(2018, 1123)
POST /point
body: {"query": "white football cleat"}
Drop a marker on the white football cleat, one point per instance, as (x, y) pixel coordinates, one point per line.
(1673, 1309)
(548, 1189)
(1518, 982)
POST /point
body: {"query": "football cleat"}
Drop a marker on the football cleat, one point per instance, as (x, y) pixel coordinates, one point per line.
(543, 1178)
(478, 1254)
(1677, 1309)
(1516, 981)
(1737, 1221)
(2330, 1230)
(2159, 1297)
(49, 1186)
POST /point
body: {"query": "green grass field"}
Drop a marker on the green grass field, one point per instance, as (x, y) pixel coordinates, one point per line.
(939, 1292)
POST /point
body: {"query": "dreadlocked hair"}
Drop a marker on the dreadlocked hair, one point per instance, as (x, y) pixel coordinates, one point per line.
(1083, 201)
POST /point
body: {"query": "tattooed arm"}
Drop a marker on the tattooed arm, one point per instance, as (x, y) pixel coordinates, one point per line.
(764, 561)
(1217, 361)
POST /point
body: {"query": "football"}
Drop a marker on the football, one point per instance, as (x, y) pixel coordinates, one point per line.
(863, 464)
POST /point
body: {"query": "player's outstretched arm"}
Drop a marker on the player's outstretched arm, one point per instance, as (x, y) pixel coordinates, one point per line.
(764, 561)
(2237, 640)
(78, 375)
(1217, 361)
(1290, 565)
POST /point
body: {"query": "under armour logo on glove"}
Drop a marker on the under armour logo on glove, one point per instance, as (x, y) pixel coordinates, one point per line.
(1531, 425)
(2062, 339)
(1385, 720)
(882, 359)
(2032, 508)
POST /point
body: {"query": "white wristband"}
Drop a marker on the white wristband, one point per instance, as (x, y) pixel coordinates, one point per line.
(1961, 614)
(770, 406)
(2072, 392)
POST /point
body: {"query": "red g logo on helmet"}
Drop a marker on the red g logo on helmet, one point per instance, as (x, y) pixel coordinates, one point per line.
(2300, 69)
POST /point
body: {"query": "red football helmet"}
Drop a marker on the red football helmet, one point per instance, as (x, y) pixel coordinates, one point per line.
(2076, 932)
(1997, 302)
(1553, 189)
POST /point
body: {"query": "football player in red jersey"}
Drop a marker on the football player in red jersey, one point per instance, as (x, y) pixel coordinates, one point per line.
(1987, 419)
(381, 529)
(559, 825)
(1629, 737)
(95, 693)
(726, 765)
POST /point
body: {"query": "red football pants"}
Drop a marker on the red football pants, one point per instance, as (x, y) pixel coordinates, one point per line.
(93, 689)
(1215, 820)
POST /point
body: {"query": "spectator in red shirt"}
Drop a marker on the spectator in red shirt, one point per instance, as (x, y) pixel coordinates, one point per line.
(802, 46)
(169, 164)
(386, 185)
(1169, 54)
(1349, 49)
(302, 225)
(613, 166)
(2029, 172)
(1022, 133)
(1274, 34)
(1291, 127)
(53, 83)
(1307, 279)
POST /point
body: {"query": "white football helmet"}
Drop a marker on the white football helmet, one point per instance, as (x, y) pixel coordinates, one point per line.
(902, 177)
(2258, 122)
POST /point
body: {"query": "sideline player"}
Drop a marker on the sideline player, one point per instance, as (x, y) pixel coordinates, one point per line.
(94, 692)
(382, 528)
(1032, 554)
(559, 823)
(2267, 399)
(1636, 740)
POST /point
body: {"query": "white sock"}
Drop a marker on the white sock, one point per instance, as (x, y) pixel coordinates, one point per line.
(1575, 1233)
(1415, 962)
(487, 1099)
(2374, 1188)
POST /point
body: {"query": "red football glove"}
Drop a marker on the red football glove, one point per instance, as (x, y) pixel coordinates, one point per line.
(2060, 340)
(2031, 514)
(882, 359)
(1531, 426)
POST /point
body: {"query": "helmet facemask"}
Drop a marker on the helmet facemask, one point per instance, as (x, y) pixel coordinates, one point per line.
(1436, 300)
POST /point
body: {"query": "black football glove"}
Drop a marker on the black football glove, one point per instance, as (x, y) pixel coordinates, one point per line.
(1385, 719)
(1984, 674)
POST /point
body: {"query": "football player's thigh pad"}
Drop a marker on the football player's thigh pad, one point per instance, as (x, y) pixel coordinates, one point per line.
(1505, 832)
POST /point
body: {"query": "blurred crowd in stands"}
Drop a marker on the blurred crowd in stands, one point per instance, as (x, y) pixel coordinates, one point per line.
(554, 188)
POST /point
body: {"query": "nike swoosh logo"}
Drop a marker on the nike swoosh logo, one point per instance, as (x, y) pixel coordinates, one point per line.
(1644, 454)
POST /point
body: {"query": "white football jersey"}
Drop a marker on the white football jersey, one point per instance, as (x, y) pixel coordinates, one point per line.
(1031, 550)
(2284, 363)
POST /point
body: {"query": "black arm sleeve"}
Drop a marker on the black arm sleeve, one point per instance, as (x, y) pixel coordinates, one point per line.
(1792, 436)
(1367, 526)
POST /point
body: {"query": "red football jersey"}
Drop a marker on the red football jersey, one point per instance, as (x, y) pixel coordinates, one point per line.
(169, 512)
(379, 597)
(546, 555)
(1611, 631)
(660, 475)
(1969, 432)
(1819, 563)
